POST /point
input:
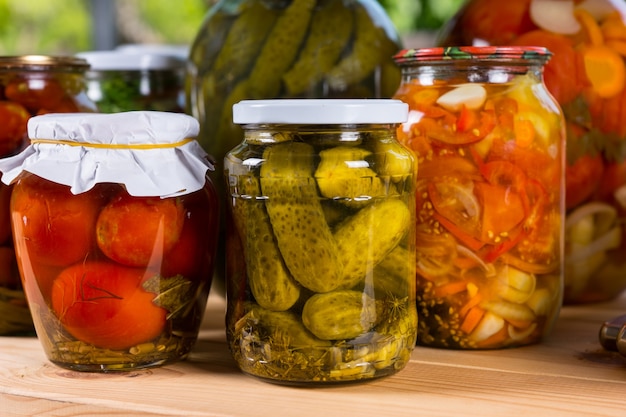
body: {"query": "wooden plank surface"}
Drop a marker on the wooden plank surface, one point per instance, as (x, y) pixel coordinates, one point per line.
(567, 375)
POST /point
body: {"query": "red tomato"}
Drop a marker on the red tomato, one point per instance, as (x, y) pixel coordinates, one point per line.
(613, 177)
(582, 179)
(35, 93)
(50, 224)
(564, 74)
(502, 210)
(137, 231)
(9, 276)
(496, 21)
(5, 214)
(103, 304)
(13, 120)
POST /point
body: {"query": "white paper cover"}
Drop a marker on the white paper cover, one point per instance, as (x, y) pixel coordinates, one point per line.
(151, 153)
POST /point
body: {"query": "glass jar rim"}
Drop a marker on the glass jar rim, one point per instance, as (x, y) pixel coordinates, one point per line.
(43, 63)
(473, 53)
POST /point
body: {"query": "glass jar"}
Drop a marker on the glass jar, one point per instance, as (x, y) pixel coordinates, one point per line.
(130, 80)
(320, 256)
(587, 76)
(114, 221)
(489, 140)
(267, 49)
(29, 85)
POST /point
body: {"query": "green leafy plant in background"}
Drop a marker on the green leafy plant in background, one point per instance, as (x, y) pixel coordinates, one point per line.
(43, 26)
(420, 15)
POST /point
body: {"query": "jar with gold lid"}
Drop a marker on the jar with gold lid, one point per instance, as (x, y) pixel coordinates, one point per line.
(30, 85)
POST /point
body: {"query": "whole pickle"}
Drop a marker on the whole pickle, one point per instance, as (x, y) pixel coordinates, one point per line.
(279, 327)
(304, 238)
(395, 274)
(271, 284)
(367, 237)
(330, 31)
(339, 315)
(243, 42)
(371, 47)
(344, 174)
(280, 49)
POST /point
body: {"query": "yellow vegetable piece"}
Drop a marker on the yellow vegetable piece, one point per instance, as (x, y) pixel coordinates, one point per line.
(605, 69)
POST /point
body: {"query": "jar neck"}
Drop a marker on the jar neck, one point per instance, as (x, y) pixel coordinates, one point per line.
(274, 133)
(491, 72)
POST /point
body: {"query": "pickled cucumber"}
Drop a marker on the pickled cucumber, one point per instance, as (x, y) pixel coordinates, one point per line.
(344, 174)
(280, 49)
(339, 315)
(330, 31)
(304, 238)
(243, 42)
(393, 160)
(271, 284)
(395, 274)
(371, 46)
(366, 238)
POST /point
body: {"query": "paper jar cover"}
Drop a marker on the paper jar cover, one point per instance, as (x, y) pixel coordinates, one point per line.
(151, 153)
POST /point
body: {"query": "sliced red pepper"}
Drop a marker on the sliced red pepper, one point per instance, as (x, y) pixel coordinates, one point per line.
(462, 236)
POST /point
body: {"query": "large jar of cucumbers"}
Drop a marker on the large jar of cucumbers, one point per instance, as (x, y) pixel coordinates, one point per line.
(321, 241)
(490, 145)
(260, 49)
(587, 76)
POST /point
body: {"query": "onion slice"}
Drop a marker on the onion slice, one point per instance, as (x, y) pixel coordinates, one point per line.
(555, 15)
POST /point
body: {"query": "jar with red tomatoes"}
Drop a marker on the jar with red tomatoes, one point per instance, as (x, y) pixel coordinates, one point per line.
(29, 85)
(587, 76)
(490, 145)
(115, 227)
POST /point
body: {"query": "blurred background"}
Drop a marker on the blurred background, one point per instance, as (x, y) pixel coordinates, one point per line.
(71, 26)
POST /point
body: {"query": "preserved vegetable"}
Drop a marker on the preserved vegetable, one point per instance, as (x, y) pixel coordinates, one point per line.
(267, 49)
(30, 85)
(321, 255)
(489, 194)
(587, 76)
(116, 274)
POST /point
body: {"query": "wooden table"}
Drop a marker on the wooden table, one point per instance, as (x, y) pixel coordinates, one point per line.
(567, 375)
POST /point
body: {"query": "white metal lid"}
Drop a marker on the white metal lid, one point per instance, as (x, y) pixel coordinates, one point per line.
(320, 111)
(151, 153)
(127, 61)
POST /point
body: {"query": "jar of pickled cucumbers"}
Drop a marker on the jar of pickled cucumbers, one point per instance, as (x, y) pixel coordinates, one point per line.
(321, 248)
(587, 76)
(29, 85)
(115, 227)
(490, 204)
(267, 49)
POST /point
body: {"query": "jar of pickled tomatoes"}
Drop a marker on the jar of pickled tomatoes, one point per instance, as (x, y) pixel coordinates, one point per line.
(115, 227)
(321, 246)
(587, 76)
(490, 195)
(29, 85)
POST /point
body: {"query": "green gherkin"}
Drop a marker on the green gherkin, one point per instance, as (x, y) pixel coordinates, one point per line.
(344, 174)
(280, 49)
(340, 315)
(271, 284)
(366, 238)
(331, 27)
(293, 205)
(371, 46)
